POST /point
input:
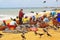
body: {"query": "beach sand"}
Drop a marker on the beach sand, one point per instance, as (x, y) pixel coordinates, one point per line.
(31, 36)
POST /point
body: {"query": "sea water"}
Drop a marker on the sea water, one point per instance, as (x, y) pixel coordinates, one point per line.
(7, 13)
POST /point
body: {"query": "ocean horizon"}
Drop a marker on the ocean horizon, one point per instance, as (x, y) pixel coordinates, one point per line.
(6, 13)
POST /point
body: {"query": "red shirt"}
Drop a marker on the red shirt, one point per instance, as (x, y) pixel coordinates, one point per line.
(21, 14)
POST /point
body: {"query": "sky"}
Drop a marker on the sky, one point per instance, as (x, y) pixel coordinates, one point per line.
(28, 3)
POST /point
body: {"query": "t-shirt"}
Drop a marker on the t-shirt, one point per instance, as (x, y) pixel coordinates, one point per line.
(33, 17)
(53, 13)
(46, 20)
(21, 14)
(37, 16)
(12, 23)
(25, 20)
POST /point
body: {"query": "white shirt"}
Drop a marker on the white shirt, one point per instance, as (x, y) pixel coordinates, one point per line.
(46, 20)
(12, 22)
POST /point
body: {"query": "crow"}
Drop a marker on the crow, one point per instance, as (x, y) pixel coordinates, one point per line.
(23, 36)
(48, 34)
(39, 34)
(1, 35)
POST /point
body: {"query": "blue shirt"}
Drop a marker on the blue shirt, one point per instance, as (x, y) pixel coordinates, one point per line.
(46, 20)
(53, 13)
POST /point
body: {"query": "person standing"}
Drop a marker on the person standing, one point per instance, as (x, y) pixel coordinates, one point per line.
(21, 14)
(53, 13)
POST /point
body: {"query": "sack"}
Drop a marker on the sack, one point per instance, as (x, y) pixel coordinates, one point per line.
(33, 29)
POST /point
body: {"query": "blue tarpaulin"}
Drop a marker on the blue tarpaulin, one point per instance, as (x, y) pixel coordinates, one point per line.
(58, 17)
